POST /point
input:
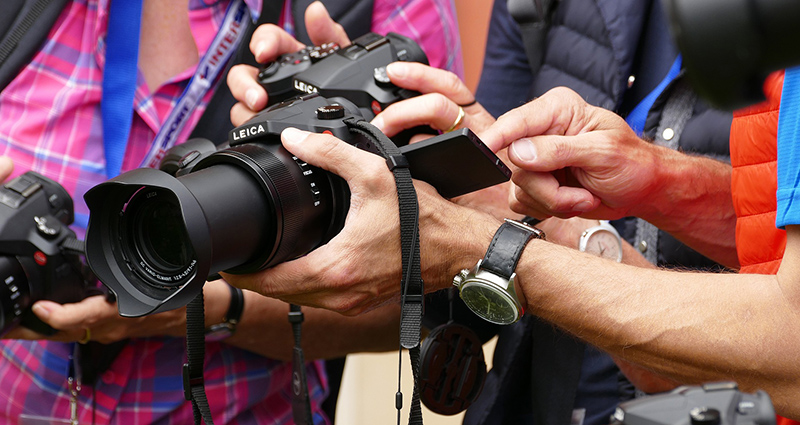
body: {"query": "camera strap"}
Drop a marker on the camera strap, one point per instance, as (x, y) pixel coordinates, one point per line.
(301, 404)
(412, 287)
(193, 383)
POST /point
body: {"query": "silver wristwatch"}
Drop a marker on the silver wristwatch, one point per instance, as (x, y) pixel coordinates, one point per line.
(488, 289)
(602, 240)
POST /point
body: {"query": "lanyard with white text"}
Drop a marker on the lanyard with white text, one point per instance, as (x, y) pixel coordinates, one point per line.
(119, 85)
(213, 62)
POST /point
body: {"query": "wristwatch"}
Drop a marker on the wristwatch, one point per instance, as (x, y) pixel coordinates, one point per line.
(602, 240)
(225, 329)
(488, 289)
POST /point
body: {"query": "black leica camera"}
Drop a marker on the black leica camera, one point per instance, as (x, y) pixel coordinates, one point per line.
(718, 403)
(39, 253)
(155, 236)
(356, 72)
(730, 46)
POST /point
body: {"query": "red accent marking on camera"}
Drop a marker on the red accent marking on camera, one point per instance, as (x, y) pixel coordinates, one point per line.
(376, 107)
(40, 258)
(328, 132)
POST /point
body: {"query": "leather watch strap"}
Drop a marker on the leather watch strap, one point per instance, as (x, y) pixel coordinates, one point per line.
(506, 248)
(236, 307)
(227, 327)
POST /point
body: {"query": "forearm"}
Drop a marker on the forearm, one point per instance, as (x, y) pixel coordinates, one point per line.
(265, 329)
(693, 203)
(690, 327)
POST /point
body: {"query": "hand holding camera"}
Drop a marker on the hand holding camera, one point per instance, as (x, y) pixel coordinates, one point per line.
(267, 44)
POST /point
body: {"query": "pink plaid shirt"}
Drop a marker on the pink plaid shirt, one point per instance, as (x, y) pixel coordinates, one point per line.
(50, 122)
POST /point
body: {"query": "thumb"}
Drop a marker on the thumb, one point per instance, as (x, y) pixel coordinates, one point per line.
(321, 28)
(549, 153)
(328, 152)
(6, 167)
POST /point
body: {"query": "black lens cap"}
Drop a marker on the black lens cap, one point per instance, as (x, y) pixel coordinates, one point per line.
(452, 369)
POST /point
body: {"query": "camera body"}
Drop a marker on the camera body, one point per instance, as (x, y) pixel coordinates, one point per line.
(356, 72)
(730, 46)
(719, 403)
(155, 236)
(34, 216)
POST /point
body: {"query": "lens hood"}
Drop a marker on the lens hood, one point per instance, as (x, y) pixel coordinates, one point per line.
(118, 267)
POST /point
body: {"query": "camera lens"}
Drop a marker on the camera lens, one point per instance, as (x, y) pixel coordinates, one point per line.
(158, 251)
(159, 234)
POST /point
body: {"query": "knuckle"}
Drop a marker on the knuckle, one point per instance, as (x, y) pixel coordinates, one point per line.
(452, 83)
(339, 29)
(263, 32)
(440, 101)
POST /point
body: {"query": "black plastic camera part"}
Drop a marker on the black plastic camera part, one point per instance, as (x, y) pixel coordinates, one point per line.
(349, 72)
(34, 265)
(719, 403)
(730, 46)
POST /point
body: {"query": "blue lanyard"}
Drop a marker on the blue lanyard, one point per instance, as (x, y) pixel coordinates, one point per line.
(637, 118)
(119, 79)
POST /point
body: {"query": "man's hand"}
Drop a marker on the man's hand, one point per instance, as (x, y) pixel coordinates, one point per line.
(101, 319)
(360, 268)
(105, 325)
(270, 41)
(575, 159)
(442, 94)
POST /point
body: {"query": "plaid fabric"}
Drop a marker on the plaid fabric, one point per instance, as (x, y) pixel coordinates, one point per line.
(50, 122)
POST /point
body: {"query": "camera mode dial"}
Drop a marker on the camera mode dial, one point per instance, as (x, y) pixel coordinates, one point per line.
(331, 112)
(318, 53)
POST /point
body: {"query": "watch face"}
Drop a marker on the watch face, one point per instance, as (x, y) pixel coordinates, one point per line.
(603, 243)
(490, 304)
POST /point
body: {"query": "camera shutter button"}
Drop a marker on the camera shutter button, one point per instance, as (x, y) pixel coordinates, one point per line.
(330, 112)
(269, 70)
(704, 416)
(47, 226)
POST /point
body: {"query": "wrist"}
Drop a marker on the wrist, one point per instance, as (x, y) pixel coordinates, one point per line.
(646, 197)
(446, 248)
(679, 184)
(226, 327)
(490, 288)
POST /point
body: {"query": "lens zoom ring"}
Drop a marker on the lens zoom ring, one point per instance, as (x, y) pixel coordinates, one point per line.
(287, 197)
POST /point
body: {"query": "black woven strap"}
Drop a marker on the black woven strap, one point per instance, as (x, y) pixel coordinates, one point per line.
(412, 288)
(301, 404)
(73, 246)
(193, 384)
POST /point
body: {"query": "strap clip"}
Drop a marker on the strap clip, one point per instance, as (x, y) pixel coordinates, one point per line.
(396, 161)
(190, 382)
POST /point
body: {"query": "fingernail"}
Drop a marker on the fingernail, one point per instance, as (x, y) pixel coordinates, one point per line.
(397, 69)
(41, 310)
(378, 122)
(584, 206)
(6, 162)
(260, 47)
(524, 150)
(294, 135)
(251, 97)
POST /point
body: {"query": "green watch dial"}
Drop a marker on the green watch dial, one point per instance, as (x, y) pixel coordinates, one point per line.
(490, 304)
